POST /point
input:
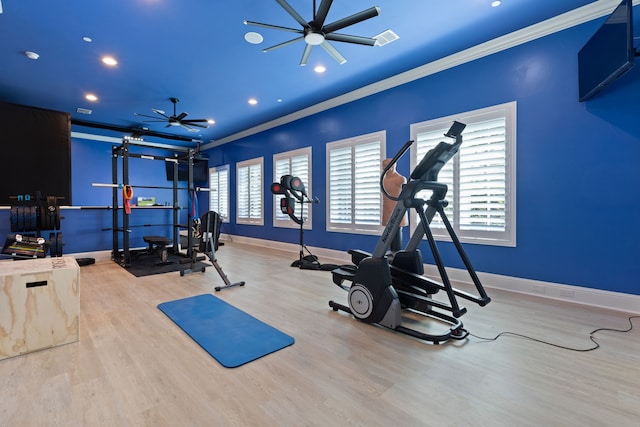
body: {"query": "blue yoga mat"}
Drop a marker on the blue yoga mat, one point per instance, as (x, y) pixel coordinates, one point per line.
(228, 334)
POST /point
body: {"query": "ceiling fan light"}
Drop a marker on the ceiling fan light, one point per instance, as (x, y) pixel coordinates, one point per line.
(314, 39)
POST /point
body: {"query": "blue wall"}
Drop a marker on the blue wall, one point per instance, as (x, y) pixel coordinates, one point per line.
(576, 168)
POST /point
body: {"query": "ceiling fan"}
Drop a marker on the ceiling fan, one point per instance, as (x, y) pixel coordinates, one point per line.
(317, 33)
(175, 119)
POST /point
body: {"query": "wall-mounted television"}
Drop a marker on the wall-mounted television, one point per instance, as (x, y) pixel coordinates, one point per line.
(200, 170)
(608, 54)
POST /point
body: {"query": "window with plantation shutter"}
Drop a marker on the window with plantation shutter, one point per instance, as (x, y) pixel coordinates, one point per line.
(353, 184)
(249, 192)
(296, 163)
(481, 177)
(219, 191)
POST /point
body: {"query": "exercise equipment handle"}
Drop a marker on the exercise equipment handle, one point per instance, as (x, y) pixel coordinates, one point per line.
(393, 161)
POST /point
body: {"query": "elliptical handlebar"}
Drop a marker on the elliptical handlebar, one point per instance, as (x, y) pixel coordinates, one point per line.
(393, 161)
(438, 156)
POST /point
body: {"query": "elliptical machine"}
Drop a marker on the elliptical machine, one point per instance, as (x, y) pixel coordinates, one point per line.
(383, 284)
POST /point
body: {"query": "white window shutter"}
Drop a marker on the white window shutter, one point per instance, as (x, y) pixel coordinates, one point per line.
(243, 193)
(249, 192)
(353, 188)
(296, 163)
(480, 178)
(483, 176)
(367, 183)
(340, 185)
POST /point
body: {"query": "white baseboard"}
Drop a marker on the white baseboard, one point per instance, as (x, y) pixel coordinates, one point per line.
(618, 301)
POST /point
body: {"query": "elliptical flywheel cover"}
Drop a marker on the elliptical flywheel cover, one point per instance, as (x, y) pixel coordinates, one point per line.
(360, 301)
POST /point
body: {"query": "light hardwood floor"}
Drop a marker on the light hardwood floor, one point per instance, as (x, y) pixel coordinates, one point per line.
(134, 367)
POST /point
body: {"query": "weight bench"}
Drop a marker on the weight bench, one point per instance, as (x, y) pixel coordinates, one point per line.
(158, 245)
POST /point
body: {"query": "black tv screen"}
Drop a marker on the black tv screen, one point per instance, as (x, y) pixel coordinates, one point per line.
(36, 154)
(200, 170)
(608, 54)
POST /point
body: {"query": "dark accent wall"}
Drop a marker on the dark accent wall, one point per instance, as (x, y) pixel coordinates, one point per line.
(36, 153)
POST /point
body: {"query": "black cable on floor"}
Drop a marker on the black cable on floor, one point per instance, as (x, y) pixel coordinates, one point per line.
(591, 337)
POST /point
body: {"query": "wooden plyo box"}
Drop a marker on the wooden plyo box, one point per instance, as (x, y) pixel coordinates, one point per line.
(39, 304)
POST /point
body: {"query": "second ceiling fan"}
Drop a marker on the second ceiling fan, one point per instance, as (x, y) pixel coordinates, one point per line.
(317, 33)
(175, 119)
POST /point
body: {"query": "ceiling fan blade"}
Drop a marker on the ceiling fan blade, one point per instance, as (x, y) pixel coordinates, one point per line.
(195, 121)
(154, 121)
(160, 112)
(269, 49)
(333, 52)
(350, 20)
(305, 54)
(189, 128)
(273, 27)
(181, 116)
(190, 123)
(321, 15)
(350, 39)
(151, 117)
(291, 11)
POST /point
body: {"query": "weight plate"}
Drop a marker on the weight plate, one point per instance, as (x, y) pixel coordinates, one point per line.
(14, 219)
(52, 244)
(59, 244)
(56, 218)
(20, 217)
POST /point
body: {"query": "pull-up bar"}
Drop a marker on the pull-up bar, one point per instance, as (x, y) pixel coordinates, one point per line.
(98, 184)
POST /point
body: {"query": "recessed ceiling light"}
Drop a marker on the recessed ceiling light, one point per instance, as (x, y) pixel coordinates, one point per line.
(91, 97)
(109, 60)
(32, 55)
(87, 39)
(253, 37)
(279, 100)
(496, 3)
(320, 69)
(253, 101)
(211, 121)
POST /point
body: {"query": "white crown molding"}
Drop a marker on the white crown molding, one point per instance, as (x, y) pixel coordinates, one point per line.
(570, 19)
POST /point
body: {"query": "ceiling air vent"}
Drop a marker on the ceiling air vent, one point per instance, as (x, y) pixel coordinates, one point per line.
(386, 38)
(83, 110)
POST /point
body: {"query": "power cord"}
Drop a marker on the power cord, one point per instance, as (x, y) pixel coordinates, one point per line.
(591, 337)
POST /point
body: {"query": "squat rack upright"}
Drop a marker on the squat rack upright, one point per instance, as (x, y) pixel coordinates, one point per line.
(123, 151)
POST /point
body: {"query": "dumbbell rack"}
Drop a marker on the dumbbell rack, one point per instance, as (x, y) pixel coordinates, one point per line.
(29, 217)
